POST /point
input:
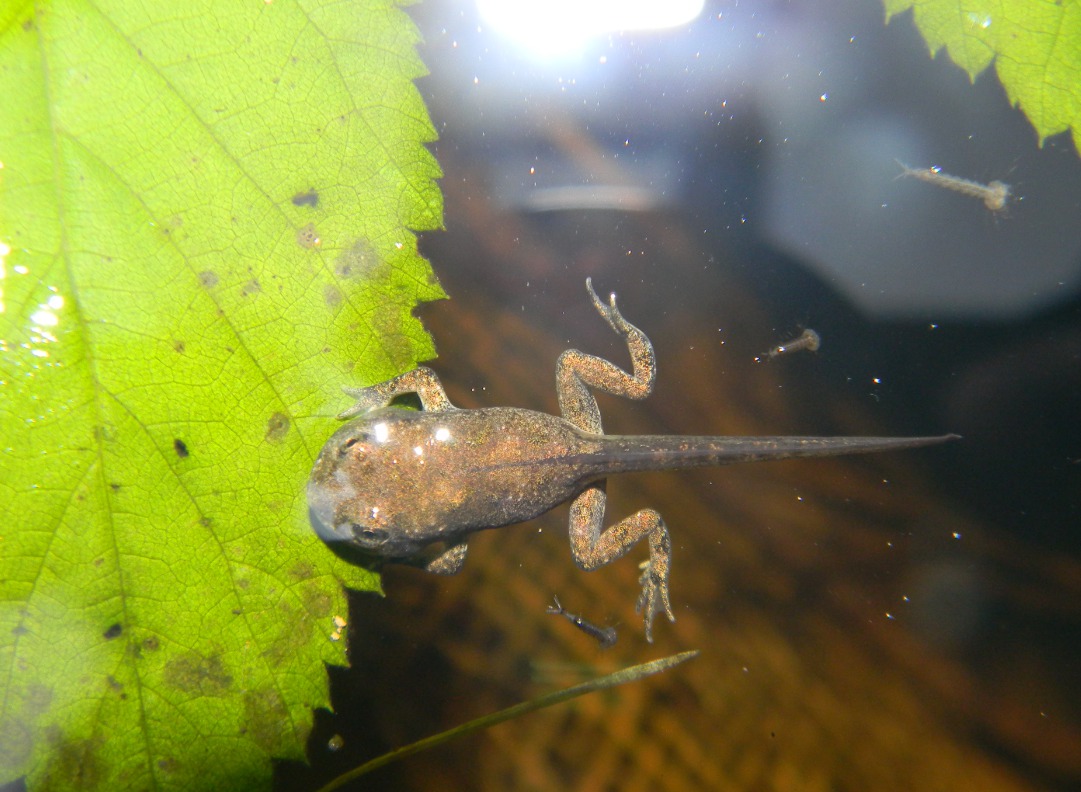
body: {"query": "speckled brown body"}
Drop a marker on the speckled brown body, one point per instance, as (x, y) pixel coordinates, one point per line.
(394, 481)
(425, 477)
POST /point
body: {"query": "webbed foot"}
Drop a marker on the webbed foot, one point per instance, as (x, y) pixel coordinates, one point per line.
(654, 596)
(609, 311)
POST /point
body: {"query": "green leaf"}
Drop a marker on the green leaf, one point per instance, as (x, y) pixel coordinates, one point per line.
(208, 208)
(1035, 46)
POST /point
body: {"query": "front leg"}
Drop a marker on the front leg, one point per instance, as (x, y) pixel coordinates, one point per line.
(422, 381)
(450, 561)
(593, 548)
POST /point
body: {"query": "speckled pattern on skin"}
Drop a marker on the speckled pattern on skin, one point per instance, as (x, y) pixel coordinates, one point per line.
(393, 481)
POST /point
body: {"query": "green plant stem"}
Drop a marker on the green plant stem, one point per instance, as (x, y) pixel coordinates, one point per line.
(631, 674)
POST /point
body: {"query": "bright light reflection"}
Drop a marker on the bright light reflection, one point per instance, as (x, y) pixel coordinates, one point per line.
(44, 318)
(4, 250)
(45, 315)
(560, 27)
(381, 432)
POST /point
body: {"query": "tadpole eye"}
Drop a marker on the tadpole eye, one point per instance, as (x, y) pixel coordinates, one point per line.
(369, 537)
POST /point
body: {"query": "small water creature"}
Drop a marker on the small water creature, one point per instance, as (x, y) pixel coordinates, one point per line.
(606, 636)
(809, 340)
(995, 195)
(393, 481)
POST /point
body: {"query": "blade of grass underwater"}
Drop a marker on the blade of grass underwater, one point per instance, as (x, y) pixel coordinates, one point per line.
(631, 674)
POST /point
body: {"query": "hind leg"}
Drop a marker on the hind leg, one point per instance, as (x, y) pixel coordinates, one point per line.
(591, 545)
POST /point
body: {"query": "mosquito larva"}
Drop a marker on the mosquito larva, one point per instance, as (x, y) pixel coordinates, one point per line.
(995, 195)
(809, 340)
(606, 636)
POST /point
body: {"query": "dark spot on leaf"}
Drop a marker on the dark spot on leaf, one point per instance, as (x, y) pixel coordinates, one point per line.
(251, 287)
(205, 522)
(332, 296)
(151, 644)
(308, 237)
(208, 279)
(316, 602)
(114, 683)
(169, 764)
(237, 611)
(277, 426)
(72, 764)
(301, 570)
(268, 721)
(181, 448)
(396, 345)
(294, 614)
(99, 561)
(38, 698)
(28, 25)
(359, 261)
(113, 632)
(309, 198)
(19, 629)
(193, 673)
(115, 486)
(179, 347)
(243, 583)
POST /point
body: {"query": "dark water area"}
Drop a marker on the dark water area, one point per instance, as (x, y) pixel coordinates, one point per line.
(900, 621)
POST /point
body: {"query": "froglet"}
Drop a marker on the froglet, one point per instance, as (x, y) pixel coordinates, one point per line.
(393, 481)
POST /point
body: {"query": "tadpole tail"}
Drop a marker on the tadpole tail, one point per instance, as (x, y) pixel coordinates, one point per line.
(627, 453)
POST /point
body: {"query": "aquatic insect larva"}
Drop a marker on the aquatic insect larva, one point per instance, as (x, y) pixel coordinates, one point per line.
(606, 636)
(994, 195)
(809, 340)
